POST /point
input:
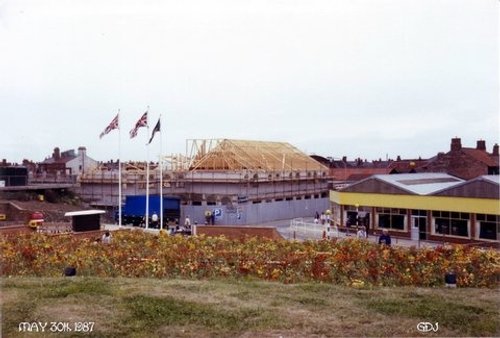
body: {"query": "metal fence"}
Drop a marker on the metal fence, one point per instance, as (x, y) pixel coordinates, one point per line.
(301, 228)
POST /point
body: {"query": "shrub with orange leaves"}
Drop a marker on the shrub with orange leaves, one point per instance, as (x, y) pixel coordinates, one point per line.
(348, 262)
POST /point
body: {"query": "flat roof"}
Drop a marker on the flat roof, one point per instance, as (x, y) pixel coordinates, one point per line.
(84, 213)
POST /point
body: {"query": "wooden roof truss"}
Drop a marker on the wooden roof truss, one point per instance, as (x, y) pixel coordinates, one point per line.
(225, 154)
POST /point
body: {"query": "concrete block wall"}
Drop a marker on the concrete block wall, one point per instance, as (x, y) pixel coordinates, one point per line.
(250, 213)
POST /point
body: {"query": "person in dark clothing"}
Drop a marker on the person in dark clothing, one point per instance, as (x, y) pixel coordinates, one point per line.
(385, 238)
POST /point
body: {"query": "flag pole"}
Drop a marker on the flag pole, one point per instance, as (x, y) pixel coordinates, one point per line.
(161, 177)
(119, 174)
(147, 174)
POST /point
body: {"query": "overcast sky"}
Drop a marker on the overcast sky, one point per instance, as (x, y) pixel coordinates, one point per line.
(360, 78)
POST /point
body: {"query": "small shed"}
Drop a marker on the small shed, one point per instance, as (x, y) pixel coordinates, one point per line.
(85, 220)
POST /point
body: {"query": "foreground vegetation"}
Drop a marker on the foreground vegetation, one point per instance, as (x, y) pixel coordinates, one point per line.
(144, 285)
(145, 307)
(349, 262)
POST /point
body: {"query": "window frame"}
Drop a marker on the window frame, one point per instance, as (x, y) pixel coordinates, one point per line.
(392, 212)
(448, 215)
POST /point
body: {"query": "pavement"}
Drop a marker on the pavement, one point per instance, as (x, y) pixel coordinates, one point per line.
(285, 229)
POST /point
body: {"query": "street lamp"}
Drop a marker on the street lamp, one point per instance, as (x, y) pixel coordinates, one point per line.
(357, 214)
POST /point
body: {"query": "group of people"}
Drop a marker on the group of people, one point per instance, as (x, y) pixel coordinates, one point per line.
(324, 218)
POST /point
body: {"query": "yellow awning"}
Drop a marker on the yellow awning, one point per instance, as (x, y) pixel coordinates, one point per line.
(418, 202)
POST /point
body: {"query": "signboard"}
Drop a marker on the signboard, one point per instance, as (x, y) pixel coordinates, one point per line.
(217, 213)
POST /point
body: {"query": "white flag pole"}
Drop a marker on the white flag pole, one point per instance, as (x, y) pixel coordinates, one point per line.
(161, 176)
(147, 171)
(119, 174)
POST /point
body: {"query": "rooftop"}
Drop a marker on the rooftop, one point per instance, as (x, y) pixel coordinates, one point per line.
(225, 154)
(420, 183)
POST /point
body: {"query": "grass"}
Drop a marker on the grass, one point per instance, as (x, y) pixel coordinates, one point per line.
(125, 307)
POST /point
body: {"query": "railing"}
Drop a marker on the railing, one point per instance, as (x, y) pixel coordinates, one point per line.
(45, 178)
(302, 229)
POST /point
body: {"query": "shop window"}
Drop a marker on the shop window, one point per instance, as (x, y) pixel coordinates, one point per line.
(394, 219)
(420, 213)
(451, 223)
(489, 226)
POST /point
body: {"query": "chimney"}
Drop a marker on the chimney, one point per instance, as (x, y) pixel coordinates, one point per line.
(481, 145)
(456, 144)
(495, 150)
(82, 151)
(56, 155)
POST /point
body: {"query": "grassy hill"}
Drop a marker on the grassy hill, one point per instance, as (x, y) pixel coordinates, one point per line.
(143, 307)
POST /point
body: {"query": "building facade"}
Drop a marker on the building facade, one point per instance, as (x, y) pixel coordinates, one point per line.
(425, 206)
(239, 181)
(69, 165)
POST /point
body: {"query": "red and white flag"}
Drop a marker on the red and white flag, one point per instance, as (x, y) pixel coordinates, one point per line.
(111, 126)
(143, 122)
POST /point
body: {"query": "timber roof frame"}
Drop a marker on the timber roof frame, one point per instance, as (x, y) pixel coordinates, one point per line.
(237, 155)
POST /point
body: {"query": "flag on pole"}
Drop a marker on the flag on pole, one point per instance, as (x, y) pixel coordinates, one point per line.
(155, 129)
(111, 126)
(143, 122)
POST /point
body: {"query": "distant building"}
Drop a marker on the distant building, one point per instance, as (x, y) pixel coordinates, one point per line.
(13, 176)
(426, 206)
(466, 163)
(67, 163)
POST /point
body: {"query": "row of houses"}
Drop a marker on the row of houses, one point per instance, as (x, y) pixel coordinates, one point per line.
(463, 162)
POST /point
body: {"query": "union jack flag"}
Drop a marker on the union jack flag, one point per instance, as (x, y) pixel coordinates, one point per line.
(143, 122)
(111, 126)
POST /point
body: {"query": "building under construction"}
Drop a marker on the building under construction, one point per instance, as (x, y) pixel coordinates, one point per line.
(238, 181)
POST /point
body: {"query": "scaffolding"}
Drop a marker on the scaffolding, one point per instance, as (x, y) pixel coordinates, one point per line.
(217, 170)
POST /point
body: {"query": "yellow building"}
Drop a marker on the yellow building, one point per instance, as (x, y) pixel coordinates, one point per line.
(426, 206)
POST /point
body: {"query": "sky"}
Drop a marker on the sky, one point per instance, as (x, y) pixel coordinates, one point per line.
(357, 78)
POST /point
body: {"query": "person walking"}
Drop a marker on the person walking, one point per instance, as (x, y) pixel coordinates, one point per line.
(187, 223)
